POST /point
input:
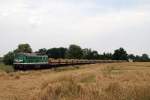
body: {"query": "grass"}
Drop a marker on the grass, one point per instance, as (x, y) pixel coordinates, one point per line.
(60, 69)
(71, 89)
(6, 68)
(99, 86)
(118, 81)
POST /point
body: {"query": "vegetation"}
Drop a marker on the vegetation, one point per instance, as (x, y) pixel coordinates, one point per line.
(106, 56)
(143, 58)
(115, 81)
(1, 60)
(56, 52)
(120, 54)
(101, 83)
(76, 52)
(42, 51)
(23, 48)
(89, 54)
(6, 68)
(8, 58)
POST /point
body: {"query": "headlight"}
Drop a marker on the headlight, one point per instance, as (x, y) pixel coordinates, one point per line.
(18, 60)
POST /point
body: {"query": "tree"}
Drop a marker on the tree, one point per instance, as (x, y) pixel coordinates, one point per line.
(94, 55)
(86, 53)
(138, 58)
(62, 52)
(25, 48)
(89, 54)
(145, 57)
(8, 58)
(1, 59)
(74, 52)
(120, 54)
(42, 51)
(56, 52)
(106, 56)
(132, 57)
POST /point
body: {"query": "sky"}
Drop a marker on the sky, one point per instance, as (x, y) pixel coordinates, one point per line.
(103, 25)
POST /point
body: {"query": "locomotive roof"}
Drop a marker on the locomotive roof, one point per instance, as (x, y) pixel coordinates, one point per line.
(31, 54)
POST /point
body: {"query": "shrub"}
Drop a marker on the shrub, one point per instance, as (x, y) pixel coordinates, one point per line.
(8, 58)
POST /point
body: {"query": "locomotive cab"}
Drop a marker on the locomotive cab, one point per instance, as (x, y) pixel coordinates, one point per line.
(19, 58)
(29, 58)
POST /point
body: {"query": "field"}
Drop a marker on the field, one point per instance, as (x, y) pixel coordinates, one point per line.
(117, 81)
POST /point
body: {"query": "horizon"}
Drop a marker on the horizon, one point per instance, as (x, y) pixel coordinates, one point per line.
(97, 24)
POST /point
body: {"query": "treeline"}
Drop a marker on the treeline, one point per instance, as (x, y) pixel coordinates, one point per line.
(75, 52)
(1, 60)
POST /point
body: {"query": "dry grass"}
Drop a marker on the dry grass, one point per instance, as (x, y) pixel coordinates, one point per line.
(123, 81)
(6, 68)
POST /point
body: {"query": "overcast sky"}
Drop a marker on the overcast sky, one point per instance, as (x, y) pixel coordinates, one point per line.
(103, 25)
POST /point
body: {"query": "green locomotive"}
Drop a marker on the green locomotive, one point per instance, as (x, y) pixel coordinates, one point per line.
(30, 58)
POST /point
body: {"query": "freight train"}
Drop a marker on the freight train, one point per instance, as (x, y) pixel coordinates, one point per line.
(26, 61)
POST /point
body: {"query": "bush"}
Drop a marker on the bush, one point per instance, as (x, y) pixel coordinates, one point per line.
(8, 58)
(6, 68)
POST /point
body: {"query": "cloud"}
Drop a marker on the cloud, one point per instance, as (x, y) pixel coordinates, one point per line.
(101, 25)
